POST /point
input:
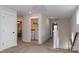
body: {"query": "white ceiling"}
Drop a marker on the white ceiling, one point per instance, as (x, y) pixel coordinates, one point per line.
(60, 11)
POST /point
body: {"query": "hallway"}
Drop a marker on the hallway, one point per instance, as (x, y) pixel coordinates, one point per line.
(44, 18)
(34, 48)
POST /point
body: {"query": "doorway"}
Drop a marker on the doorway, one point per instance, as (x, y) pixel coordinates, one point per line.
(19, 30)
(34, 30)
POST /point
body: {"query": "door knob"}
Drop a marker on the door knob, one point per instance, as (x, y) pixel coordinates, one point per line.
(13, 32)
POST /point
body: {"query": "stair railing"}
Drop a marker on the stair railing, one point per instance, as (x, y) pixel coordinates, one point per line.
(73, 43)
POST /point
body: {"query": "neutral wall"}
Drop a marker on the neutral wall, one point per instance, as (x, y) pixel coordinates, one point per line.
(26, 27)
(63, 33)
(77, 20)
(43, 28)
(74, 26)
(8, 28)
(26, 30)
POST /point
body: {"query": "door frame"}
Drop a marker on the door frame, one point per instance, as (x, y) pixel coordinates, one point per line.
(31, 28)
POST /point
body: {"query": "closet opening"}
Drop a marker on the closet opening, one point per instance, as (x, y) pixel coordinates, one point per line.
(34, 30)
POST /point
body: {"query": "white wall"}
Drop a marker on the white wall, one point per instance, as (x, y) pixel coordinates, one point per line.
(26, 27)
(64, 33)
(74, 25)
(74, 22)
(77, 20)
(43, 28)
(26, 30)
(8, 25)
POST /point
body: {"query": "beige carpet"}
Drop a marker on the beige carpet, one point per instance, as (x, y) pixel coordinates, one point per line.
(34, 48)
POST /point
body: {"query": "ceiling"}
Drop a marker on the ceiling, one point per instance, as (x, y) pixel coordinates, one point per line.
(59, 11)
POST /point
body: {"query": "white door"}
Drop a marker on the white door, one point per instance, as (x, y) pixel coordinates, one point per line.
(9, 30)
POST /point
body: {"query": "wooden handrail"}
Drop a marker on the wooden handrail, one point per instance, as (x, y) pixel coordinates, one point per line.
(74, 40)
